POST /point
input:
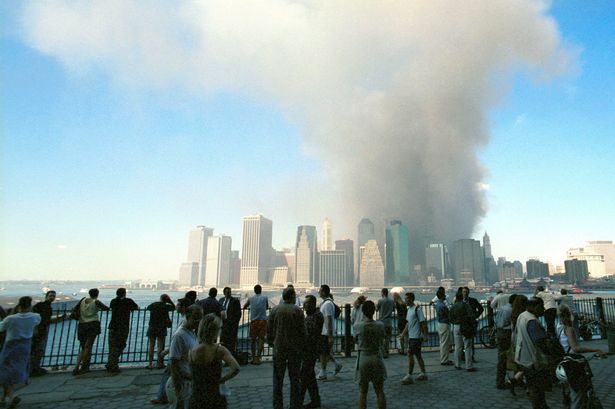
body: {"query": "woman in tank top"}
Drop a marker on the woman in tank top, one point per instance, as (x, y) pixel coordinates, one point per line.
(206, 363)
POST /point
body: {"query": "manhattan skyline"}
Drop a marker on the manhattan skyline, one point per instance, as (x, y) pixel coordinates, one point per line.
(124, 126)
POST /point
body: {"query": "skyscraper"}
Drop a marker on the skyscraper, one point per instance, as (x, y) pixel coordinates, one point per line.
(435, 260)
(327, 235)
(188, 274)
(306, 254)
(536, 268)
(576, 271)
(347, 246)
(491, 268)
(332, 268)
(468, 261)
(256, 250)
(487, 246)
(235, 267)
(218, 261)
(372, 268)
(197, 249)
(397, 253)
(366, 232)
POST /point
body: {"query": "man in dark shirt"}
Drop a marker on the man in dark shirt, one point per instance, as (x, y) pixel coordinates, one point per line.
(210, 304)
(313, 328)
(477, 310)
(286, 333)
(39, 339)
(230, 325)
(119, 327)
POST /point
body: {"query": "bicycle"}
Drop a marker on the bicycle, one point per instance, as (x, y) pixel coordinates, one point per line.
(487, 337)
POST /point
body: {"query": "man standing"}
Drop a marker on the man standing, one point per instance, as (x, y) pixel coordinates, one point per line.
(444, 330)
(477, 310)
(416, 331)
(385, 309)
(39, 339)
(462, 318)
(258, 304)
(503, 327)
(286, 334)
(119, 327)
(313, 327)
(211, 305)
(327, 308)
(232, 316)
(550, 307)
(530, 343)
(184, 339)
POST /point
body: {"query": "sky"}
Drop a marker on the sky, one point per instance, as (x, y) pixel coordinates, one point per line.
(124, 124)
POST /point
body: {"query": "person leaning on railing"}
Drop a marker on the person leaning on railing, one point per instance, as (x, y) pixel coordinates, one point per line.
(88, 328)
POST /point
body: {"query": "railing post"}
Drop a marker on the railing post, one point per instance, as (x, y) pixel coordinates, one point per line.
(601, 317)
(347, 332)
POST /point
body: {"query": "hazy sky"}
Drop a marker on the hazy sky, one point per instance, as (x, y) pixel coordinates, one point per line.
(124, 124)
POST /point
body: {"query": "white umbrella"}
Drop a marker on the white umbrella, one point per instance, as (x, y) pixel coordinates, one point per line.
(398, 290)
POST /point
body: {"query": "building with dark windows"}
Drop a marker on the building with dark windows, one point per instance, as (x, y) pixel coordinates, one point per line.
(397, 268)
(536, 268)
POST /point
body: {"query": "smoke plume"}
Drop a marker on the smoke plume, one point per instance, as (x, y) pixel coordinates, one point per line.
(393, 96)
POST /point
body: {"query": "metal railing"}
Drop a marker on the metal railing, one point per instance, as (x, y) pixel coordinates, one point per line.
(63, 348)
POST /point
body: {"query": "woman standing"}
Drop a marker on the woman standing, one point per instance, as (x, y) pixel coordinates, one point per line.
(206, 362)
(159, 321)
(370, 366)
(568, 339)
(88, 329)
(402, 310)
(15, 355)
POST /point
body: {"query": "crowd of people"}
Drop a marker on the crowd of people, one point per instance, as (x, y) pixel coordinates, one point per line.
(301, 333)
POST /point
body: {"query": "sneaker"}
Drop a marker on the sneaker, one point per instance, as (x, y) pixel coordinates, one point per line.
(338, 368)
(407, 380)
(321, 376)
(421, 377)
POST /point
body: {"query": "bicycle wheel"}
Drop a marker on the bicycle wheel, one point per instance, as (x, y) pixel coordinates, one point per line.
(486, 335)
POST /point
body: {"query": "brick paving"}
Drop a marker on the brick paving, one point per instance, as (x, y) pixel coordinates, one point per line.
(445, 388)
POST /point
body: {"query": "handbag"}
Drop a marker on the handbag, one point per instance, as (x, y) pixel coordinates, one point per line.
(75, 313)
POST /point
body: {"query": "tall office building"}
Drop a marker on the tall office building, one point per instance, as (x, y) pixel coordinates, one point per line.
(256, 250)
(487, 246)
(327, 235)
(197, 249)
(607, 249)
(332, 264)
(435, 260)
(468, 261)
(506, 271)
(536, 268)
(235, 267)
(577, 271)
(218, 261)
(600, 257)
(372, 268)
(366, 232)
(188, 274)
(491, 268)
(518, 268)
(306, 255)
(347, 246)
(397, 249)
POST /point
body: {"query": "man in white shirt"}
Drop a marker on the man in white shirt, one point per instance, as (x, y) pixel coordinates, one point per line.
(182, 342)
(327, 308)
(416, 332)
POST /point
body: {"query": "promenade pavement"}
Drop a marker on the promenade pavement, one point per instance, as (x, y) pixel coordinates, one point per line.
(445, 388)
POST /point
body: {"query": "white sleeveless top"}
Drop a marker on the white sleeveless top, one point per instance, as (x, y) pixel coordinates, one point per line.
(563, 338)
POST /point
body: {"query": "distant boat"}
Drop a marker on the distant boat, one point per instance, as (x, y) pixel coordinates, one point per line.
(83, 290)
(579, 290)
(359, 290)
(45, 289)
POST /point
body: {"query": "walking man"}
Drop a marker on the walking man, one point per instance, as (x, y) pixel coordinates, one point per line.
(184, 339)
(327, 308)
(258, 304)
(444, 330)
(286, 334)
(39, 339)
(503, 328)
(230, 325)
(313, 327)
(416, 332)
(119, 327)
(385, 309)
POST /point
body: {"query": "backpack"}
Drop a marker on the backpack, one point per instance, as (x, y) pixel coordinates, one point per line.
(338, 310)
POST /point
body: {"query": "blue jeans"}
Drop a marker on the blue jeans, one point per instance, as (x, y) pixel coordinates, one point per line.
(282, 360)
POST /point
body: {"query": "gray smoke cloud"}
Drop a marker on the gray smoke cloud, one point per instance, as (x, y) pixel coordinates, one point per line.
(393, 96)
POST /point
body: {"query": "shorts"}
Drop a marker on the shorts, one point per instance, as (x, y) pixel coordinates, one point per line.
(324, 347)
(258, 329)
(87, 330)
(156, 332)
(414, 346)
